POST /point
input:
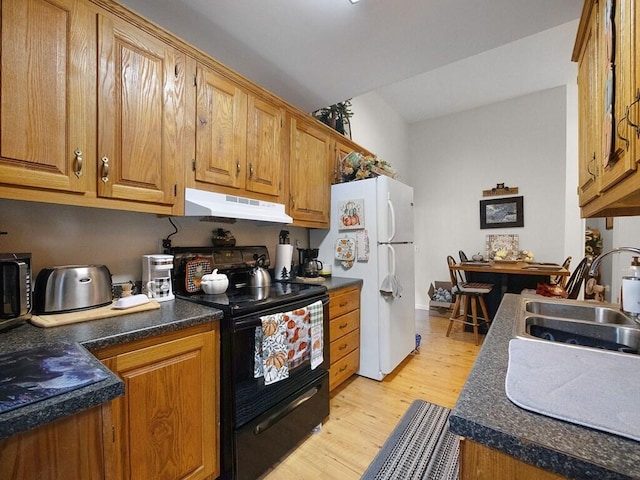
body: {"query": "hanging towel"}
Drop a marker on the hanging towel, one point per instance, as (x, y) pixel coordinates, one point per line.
(274, 348)
(298, 333)
(391, 287)
(258, 368)
(317, 332)
(345, 251)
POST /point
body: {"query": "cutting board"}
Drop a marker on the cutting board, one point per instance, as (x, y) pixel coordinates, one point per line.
(58, 319)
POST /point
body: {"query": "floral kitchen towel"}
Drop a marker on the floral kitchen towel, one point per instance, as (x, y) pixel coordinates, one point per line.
(258, 367)
(299, 335)
(274, 348)
(317, 332)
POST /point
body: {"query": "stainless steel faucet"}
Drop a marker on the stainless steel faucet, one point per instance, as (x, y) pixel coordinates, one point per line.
(593, 271)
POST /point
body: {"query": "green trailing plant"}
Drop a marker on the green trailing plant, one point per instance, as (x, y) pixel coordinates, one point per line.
(336, 116)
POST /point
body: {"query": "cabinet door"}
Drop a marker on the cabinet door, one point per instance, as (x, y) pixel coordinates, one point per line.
(47, 94)
(69, 448)
(310, 173)
(221, 125)
(264, 148)
(136, 114)
(590, 132)
(166, 424)
(621, 163)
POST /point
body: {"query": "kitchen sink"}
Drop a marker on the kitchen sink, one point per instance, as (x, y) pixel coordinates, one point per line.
(589, 313)
(574, 322)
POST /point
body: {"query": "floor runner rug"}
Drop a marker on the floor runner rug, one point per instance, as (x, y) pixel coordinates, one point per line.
(421, 447)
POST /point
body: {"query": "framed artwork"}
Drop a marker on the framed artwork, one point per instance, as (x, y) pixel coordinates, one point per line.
(351, 214)
(502, 213)
(609, 223)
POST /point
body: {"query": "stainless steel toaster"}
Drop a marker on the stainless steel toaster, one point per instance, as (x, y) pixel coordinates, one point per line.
(71, 287)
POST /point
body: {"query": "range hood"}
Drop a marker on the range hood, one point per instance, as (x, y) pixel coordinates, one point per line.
(209, 204)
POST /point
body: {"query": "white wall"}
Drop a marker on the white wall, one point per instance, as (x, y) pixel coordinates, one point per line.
(380, 129)
(521, 143)
(64, 235)
(625, 233)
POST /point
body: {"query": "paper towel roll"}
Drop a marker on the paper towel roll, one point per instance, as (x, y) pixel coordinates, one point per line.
(284, 255)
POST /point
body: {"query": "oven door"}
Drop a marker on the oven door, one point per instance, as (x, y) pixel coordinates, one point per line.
(261, 423)
(265, 440)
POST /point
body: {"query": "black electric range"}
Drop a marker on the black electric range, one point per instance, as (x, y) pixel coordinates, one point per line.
(245, 300)
(236, 263)
(257, 416)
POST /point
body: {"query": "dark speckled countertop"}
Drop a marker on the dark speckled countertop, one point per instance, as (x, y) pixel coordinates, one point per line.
(335, 283)
(93, 335)
(484, 414)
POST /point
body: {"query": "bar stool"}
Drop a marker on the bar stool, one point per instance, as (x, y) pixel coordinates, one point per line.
(469, 293)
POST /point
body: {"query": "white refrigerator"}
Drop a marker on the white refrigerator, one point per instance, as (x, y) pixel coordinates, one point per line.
(376, 217)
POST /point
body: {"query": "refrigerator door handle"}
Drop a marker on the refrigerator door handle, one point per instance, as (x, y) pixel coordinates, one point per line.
(392, 215)
(392, 258)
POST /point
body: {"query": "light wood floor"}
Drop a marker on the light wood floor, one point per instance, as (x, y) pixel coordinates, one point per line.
(364, 411)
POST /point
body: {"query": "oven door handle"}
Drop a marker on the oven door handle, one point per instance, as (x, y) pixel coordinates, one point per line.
(291, 406)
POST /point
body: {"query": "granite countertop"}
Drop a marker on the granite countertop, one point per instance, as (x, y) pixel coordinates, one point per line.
(484, 414)
(92, 335)
(335, 283)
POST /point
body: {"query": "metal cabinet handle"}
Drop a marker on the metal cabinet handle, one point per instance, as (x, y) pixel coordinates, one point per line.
(591, 162)
(237, 168)
(626, 141)
(251, 170)
(78, 166)
(344, 325)
(105, 169)
(629, 122)
(292, 201)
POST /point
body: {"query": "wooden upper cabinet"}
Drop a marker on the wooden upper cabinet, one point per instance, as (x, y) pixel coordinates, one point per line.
(264, 147)
(221, 123)
(47, 95)
(618, 64)
(607, 50)
(310, 173)
(137, 112)
(590, 130)
(238, 137)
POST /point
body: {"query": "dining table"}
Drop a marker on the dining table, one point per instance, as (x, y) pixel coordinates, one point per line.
(509, 276)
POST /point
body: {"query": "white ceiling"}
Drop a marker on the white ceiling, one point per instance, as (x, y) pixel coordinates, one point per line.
(426, 58)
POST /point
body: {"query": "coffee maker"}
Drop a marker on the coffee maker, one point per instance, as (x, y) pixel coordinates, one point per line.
(308, 264)
(156, 277)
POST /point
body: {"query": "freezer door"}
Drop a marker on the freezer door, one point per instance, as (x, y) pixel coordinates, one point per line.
(397, 325)
(395, 210)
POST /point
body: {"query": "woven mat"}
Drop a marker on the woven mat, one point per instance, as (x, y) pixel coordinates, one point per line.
(421, 447)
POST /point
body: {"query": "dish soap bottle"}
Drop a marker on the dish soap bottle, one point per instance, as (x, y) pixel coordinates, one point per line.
(634, 270)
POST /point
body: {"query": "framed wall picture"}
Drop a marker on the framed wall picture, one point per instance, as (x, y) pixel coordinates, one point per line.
(502, 213)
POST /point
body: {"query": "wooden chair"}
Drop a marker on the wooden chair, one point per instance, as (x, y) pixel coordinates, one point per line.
(574, 283)
(561, 279)
(465, 294)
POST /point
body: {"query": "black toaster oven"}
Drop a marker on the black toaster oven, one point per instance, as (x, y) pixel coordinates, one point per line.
(15, 289)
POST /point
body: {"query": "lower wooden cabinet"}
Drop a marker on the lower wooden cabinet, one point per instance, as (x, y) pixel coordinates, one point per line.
(344, 334)
(69, 448)
(478, 462)
(166, 424)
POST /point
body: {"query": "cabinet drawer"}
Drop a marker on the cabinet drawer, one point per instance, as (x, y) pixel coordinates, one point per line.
(344, 345)
(344, 324)
(344, 368)
(344, 302)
